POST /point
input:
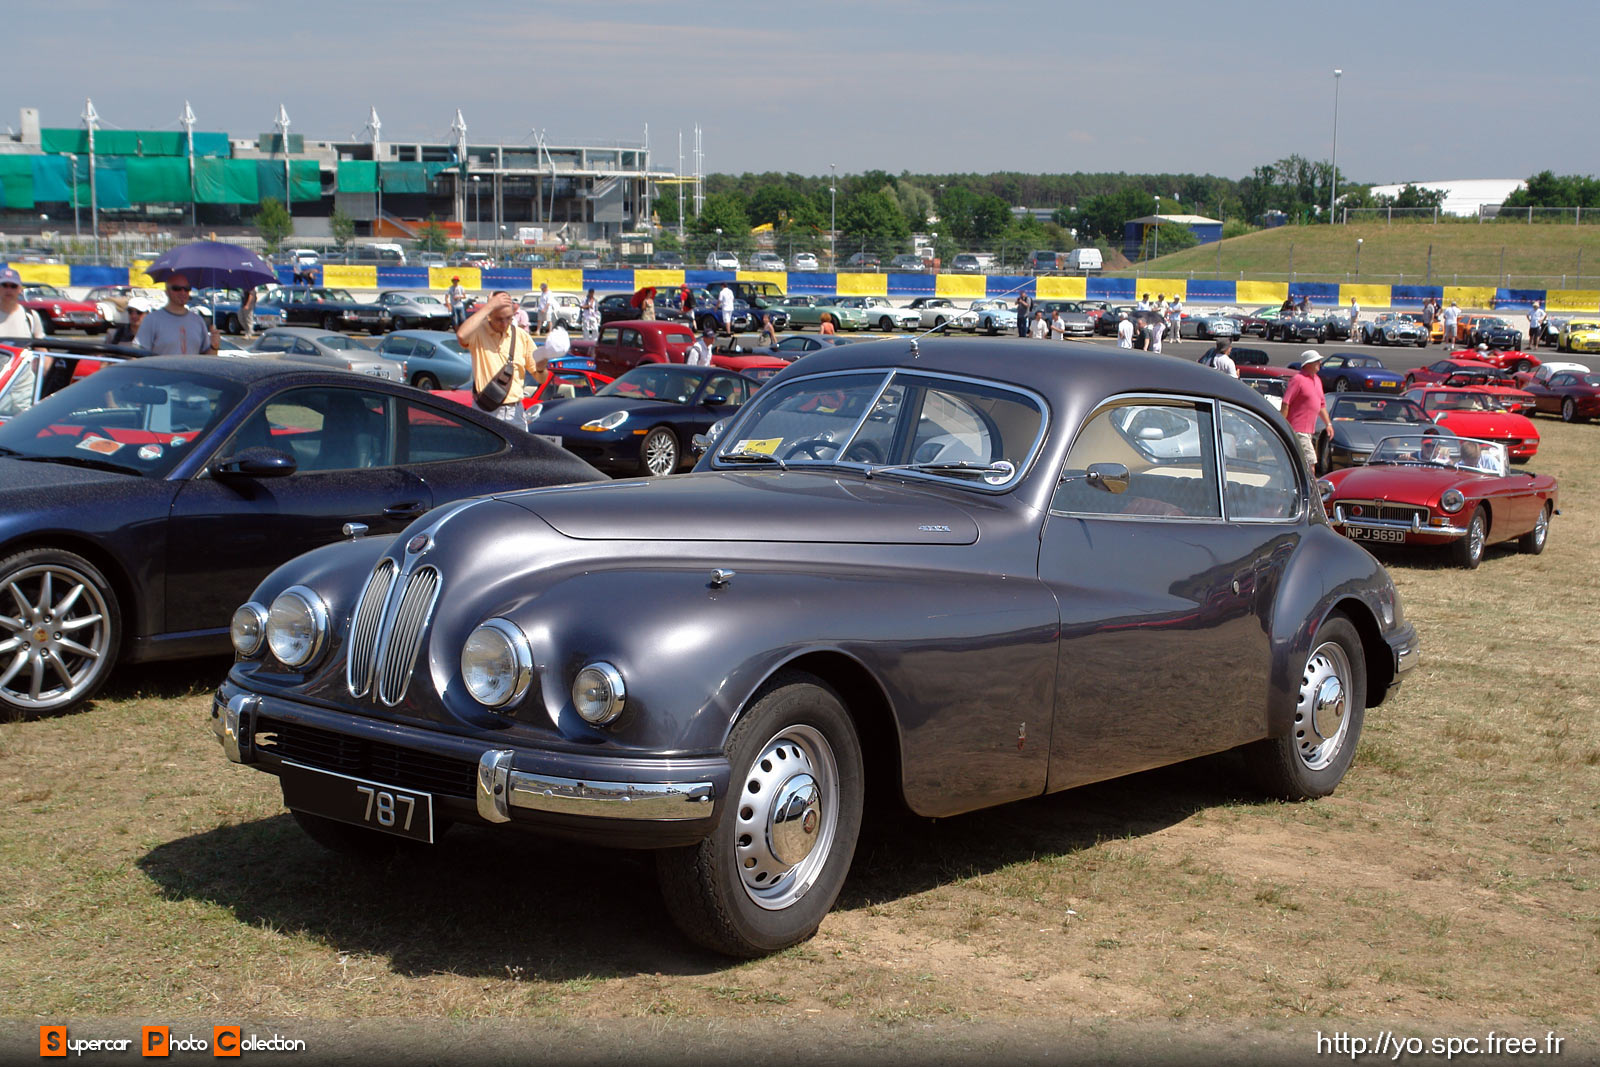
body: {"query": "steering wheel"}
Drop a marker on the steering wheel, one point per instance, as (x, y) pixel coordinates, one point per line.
(811, 447)
(864, 452)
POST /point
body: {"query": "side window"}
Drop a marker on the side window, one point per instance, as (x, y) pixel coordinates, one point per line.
(631, 339)
(400, 346)
(324, 428)
(303, 347)
(1258, 471)
(727, 386)
(1168, 450)
(608, 337)
(273, 343)
(432, 436)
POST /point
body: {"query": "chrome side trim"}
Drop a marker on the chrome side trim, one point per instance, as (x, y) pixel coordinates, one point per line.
(237, 720)
(657, 801)
(494, 792)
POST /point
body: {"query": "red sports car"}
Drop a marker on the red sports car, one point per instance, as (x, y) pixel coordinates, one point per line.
(564, 380)
(751, 364)
(1468, 413)
(1440, 369)
(1497, 384)
(1505, 359)
(1573, 395)
(1421, 489)
(58, 311)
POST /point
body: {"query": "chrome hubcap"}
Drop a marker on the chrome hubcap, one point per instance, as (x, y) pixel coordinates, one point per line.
(1321, 719)
(53, 635)
(1542, 526)
(1475, 538)
(787, 816)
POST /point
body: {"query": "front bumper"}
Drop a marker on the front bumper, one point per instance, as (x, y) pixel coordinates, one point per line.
(1406, 648)
(625, 801)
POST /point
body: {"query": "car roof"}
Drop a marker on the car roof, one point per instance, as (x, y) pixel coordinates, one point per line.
(426, 335)
(311, 332)
(246, 370)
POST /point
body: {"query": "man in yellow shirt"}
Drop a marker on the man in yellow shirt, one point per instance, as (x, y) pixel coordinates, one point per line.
(492, 338)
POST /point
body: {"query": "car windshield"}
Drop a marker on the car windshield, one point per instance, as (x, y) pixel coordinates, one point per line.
(1460, 400)
(1269, 387)
(1376, 409)
(659, 381)
(1431, 450)
(1489, 321)
(973, 432)
(127, 417)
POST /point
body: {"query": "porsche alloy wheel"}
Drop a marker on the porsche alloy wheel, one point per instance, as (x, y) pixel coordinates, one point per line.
(1468, 550)
(1312, 757)
(60, 627)
(1533, 541)
(658, 454)
(769, 872)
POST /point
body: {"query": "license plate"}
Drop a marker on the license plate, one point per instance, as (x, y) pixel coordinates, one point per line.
(549, 439)
(1361, 533)
(385, 808)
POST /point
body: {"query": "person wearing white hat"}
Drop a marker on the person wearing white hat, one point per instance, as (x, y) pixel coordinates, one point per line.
(126, 332)
(1305, 406)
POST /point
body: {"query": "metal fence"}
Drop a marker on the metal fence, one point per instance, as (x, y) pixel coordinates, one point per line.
(1552, 216)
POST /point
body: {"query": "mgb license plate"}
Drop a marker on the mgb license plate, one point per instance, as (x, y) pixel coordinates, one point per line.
(1359, 533)
(386, 808)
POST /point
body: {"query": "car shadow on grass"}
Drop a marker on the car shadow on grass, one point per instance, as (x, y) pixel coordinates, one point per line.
(493, 903)
(171, 680)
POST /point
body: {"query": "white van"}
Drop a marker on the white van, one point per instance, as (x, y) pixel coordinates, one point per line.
(1084, 259)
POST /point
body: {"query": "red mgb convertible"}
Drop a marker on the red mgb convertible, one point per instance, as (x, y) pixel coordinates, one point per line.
(1469, 413)
(1424, 489)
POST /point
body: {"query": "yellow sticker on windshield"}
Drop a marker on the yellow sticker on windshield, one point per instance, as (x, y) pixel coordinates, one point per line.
(765, 446)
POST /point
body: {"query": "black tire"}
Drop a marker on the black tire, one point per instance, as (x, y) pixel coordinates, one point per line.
(330, 323)
(659, 453)
(76, 609)
(1310, 759)
(425, 382)
(939, 321)
(732, 892)
(1322, 334)
(1342, 385)
(993, 329)
(1534, 540)
(232, 325)
(1423, 343)
(1523, 366)
(1569, 410)
(886, 324)
(1467, 551)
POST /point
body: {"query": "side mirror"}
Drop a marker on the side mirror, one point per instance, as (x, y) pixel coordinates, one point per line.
(715, 401)
(1112, 477)
(699, 443)
(256, 463)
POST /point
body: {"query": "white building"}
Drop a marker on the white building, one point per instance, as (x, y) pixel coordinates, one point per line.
(1462, 196)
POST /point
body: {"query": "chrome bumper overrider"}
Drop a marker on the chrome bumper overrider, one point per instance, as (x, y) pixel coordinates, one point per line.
(1407, 648)
(500, 789)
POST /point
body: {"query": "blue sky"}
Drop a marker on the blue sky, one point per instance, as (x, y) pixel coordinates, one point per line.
(1430, 91)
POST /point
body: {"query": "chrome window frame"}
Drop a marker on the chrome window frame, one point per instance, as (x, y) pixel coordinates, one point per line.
(1166, 399)
(1302, 504)
(889, 376)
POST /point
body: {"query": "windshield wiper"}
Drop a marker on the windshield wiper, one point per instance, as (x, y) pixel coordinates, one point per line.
(744, 455)
(1001, 469)
(82, 461)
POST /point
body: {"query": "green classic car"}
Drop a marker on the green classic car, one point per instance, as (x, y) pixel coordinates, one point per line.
(808, 311)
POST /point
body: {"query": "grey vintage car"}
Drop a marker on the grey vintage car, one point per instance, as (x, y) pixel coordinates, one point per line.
(956, 575)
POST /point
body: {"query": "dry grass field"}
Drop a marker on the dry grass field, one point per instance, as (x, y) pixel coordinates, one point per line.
(1453, 877)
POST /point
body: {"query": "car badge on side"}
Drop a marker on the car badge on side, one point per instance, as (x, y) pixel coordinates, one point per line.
(934, 529)
(418, 544)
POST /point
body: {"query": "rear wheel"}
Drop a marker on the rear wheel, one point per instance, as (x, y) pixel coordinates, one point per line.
(1569, 410)
(769, 872)
(330, 322)
(425, 382)
(1309, 760)
(1468, 550)
(1342, 385)
(1533, 541)
(1523, 366)
(232, 325)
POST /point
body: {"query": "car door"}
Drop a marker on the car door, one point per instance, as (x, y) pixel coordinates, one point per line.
(1165, 649)
(226, 533)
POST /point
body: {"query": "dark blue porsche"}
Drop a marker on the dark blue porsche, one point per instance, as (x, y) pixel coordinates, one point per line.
(643, 422)
(140, 505)
(1352, 372)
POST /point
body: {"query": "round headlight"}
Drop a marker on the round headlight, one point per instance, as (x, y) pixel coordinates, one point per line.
(1324, 488)
(598, 693)
(248, 628)
(497, 663)
(297, 626)
(1452, 501)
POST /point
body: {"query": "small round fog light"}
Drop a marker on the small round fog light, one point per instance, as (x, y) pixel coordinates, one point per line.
(248, 628)
(598, 693)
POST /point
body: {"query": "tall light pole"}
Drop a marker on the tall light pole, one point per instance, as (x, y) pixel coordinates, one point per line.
(283, 140)
(833, 189)
(718, 259)
(187, 121)
(1333, 176)
(89, 120)
(1358, 257)
(1155, 252)
(477, 209)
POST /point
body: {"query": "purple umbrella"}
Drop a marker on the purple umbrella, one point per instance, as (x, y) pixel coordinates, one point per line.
(214, 264)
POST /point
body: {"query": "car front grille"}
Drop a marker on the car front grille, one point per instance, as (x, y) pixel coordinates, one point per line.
(1372, 509)
(386, 632)
(378, 760)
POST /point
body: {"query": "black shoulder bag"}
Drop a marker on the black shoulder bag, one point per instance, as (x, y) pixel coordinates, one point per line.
(493, 393)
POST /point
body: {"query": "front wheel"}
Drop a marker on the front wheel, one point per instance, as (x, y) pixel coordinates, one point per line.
(769, 872)
(1533, 541)
(1468, 551)
(59, 631)
(658, 453)
(1342, 385)
(1309, 761)
(886, 324)
(330, 323)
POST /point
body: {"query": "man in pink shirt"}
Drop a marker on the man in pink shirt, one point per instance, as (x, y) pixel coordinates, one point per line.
(1304, 406)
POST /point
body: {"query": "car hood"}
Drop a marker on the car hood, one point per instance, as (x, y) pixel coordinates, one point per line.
(804, 506)
(1369, 432)
(1491, 424)
(1401, 485)
(576, 411)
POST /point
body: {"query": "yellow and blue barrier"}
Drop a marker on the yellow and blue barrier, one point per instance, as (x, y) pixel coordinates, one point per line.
(1243, 292)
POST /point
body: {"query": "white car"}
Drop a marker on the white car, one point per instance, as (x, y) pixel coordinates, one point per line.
(766, 261)
(1555, 366)
(803, 261)
(568, 308)
(721, 261)
(993, 315)
(938, 310)
(889, 317)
